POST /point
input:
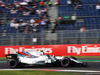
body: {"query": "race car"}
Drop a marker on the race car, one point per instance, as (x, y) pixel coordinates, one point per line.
(38, 58)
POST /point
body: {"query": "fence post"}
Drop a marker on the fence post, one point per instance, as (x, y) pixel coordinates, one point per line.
(12, 40)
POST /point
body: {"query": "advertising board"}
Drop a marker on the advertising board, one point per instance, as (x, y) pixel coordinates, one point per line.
(57, 50)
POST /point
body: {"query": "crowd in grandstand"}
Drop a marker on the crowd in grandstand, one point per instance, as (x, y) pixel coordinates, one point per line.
(35, 7)
(29, 25)
(77, 3)
(28, 8)
(83, 11)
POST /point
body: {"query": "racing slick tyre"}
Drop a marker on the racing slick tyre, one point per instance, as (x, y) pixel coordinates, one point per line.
(73, 58)
(12, 63)
(65, 62)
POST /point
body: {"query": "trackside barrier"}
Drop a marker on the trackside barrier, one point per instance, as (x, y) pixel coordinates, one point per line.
(57, 50)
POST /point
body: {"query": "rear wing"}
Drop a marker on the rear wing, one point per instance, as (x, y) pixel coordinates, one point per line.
(11, 56)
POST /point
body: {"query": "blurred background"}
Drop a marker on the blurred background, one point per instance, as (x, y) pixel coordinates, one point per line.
(49, 22)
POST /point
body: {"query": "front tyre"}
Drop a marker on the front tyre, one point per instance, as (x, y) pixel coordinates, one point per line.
(65, 62)
(12, 63)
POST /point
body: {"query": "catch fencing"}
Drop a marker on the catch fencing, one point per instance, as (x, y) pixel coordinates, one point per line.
(49, 38)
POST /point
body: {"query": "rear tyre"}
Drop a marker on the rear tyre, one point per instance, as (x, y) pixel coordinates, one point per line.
(65, 62)
(12, 63)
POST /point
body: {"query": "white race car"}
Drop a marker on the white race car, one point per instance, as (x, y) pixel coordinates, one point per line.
(38, 58)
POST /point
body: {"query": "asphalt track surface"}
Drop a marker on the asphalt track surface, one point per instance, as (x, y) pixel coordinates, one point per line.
(92, 66)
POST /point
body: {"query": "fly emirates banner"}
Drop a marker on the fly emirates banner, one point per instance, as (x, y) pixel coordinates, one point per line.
(57, 50)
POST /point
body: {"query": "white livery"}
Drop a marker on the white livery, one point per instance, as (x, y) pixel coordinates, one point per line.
(38, 58)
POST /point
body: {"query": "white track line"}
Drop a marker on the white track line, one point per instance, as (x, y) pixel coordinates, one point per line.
(78, 71)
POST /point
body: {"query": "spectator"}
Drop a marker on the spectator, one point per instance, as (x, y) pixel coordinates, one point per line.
(43, 22)
(44, 10)
(57, 2)
(98, 6)
(34, 4)
(50, 3)
(32, 11)
(30, 29)
(4, 33)
(1, 22)
(32, 21)
(24, 8)
(77, 4)
(26, 29)
(20, 20)
(12, 24)
(39, 11)
(36, 22)
(23, 3)
(23, 23)
(13, 11)
(83, 29)
(41, 3)
(34, 29)
(17, 6)
(28, 1)
(10, 6)
(39, 20)
(15, 2)
(69, 2)
(16, 25)
(13, 20)
(3, 5)
(45, 3)
(25, 13)
(73, 17)
(47, 24)
(1, 2)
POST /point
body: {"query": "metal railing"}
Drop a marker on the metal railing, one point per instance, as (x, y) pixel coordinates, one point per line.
(48, 38)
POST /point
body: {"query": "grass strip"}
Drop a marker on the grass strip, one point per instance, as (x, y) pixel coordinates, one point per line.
(89, 60)
(26, 72)
(2, 57)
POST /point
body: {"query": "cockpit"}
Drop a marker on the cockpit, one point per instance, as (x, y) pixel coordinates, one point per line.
(26, 54)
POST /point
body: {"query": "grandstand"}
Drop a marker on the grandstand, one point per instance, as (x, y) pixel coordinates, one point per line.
(62, 33)
(88, 13)
(19, 14)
